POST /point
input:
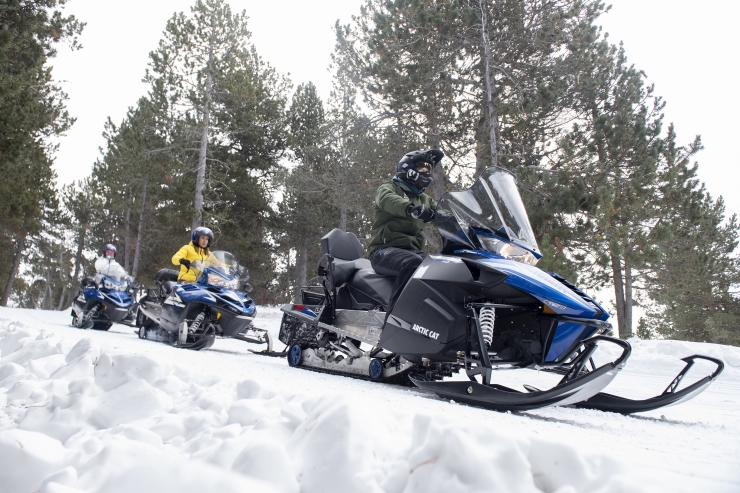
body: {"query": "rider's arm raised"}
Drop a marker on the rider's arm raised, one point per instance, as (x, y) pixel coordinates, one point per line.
(388, 200)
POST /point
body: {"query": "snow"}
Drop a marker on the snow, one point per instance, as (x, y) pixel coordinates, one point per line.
(88, 411)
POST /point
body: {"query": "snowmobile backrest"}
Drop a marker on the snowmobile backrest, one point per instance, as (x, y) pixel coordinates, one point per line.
(341, 245)
(344, 252)
(166, 275)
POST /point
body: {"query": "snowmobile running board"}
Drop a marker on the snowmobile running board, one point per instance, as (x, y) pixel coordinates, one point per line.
(669, 397)
(501, 398)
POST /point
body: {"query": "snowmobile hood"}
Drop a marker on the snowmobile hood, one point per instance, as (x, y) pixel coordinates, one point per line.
(542, 286)
(215, 296)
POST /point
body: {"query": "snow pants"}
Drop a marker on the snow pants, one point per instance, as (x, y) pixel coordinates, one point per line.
(398, 263)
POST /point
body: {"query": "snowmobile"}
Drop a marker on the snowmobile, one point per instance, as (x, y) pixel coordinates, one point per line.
(192, 315)
(481, 306)
(102, 301)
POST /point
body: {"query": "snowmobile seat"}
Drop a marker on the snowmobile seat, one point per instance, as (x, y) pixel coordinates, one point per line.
(166, 278)
(346, 252)
(166, 275)
(367, 286)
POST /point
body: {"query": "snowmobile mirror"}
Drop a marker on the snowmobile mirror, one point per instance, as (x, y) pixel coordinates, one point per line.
(247, 288)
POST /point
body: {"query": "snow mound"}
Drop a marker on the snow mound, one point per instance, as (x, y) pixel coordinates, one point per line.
(90, 418)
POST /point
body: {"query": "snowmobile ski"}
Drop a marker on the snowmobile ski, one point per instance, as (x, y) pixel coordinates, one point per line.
(670, 396)
(501, 398)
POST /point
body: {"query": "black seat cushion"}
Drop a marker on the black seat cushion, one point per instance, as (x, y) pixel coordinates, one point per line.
(371, 284)
(168, 285)
(166, 275)
(344, 269)
(342, 245)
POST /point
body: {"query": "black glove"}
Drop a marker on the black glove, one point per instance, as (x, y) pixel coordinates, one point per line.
(185, 262)
(421, 212)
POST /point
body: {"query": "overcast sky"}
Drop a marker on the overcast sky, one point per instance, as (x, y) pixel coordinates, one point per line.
(689, 50)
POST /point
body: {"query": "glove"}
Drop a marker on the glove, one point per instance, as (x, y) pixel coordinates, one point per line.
(421, 212)
(185, 262)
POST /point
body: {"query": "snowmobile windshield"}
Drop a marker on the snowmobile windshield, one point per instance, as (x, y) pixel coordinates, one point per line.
(489, 216)
(220, 269)
(115, 283)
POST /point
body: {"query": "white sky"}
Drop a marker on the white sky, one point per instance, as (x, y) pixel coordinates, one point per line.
(688, 49)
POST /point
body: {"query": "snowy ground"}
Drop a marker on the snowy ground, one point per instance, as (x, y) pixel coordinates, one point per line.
(106, 412)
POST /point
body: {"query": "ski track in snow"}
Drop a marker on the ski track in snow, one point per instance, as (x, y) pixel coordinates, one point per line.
(87, 411)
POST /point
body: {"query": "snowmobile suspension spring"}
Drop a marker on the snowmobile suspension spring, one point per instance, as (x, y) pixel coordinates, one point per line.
(198, 320)
(90, 314)
(487, 318)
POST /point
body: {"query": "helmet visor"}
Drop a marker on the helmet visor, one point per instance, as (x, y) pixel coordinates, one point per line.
(109, 254)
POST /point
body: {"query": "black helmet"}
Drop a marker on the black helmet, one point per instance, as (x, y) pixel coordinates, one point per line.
(416, 167)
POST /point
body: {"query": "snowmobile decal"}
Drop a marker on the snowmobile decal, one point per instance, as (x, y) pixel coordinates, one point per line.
(425, 332)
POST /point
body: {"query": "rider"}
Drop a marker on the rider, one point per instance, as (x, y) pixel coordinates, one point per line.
(196, 250)
(107, 265)
(401, 210)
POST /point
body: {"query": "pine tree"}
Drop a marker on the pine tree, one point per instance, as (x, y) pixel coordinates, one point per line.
(31, 111)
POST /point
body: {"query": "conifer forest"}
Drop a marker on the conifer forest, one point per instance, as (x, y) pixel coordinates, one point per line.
(221, 139)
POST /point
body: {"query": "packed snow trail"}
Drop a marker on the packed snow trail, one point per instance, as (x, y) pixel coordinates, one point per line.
(87, 411)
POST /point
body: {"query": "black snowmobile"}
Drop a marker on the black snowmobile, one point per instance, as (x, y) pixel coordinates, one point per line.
(192, 315)
(479, 307)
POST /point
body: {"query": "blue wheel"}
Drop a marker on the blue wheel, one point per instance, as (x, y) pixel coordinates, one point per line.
(375, 370)
(295, 355)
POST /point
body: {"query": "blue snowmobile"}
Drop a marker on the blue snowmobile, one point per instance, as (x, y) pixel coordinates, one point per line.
(192, 315)
(103, 301)
(481, 306)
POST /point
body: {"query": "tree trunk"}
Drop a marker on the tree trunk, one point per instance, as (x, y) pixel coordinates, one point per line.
(627, 300)
(300, 272)
(47, 303)
(343, 218)
(619, 293)
(62, 278)
(399, 125)
(437, 172)
(61, 306)
(127, 236)
(200, 180)
(13, 271)
(490, 111)
(78, 263)
(140, 233)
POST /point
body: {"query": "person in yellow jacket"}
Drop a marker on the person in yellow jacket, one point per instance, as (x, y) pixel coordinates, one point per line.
(196, 250)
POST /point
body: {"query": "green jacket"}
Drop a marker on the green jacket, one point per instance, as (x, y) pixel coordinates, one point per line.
(393, 227)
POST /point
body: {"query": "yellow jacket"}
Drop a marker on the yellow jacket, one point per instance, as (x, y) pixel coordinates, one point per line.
(192, 253)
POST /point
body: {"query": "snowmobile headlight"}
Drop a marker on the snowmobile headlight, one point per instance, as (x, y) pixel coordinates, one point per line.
(115, 286)
(507, 249)
(221, 282)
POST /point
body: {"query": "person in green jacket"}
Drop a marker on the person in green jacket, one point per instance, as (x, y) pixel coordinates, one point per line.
(401, 211)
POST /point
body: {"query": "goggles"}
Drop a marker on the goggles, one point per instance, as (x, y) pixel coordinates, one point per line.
(424, 167)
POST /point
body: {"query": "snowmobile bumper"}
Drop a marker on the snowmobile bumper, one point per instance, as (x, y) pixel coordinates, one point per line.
(501, 398)
(669, 397)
